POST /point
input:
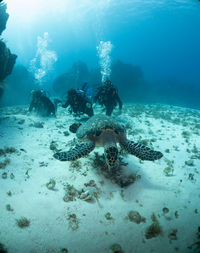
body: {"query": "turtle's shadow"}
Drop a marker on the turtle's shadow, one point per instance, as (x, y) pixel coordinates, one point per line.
(127, 174)
(144, 182)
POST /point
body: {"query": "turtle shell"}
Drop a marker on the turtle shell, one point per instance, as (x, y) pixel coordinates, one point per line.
(96, 124)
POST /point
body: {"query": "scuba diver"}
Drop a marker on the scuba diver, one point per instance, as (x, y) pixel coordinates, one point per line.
(41, 104)
(79, 103)
(107, 95)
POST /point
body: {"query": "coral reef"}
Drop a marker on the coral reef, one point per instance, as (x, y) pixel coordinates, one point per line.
(3, 17)
(7, 59)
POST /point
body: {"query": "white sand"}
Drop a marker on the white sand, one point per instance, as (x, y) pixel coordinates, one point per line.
(49, 229)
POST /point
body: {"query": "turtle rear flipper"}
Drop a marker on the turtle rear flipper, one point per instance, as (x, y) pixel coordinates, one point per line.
(141, 151)
(78, 151)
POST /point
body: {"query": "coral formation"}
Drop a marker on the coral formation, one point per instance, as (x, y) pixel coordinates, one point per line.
(3, 17)
(7, 59)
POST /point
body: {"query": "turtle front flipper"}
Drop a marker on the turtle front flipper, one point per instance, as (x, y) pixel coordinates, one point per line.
(77, 152)
(141, 151)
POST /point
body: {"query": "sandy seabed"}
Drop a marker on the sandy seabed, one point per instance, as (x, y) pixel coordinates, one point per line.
(63, 218)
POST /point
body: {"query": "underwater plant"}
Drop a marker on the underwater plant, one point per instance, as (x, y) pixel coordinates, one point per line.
(70, 193)
(154, 229)
(75, 166)
(73, 221)
(23, 222)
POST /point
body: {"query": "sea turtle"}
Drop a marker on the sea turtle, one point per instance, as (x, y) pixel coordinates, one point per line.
(102, 130)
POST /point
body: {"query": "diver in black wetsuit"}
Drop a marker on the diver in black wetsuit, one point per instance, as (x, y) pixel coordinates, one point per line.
(107, 95)
(41, 104)
(79, 103)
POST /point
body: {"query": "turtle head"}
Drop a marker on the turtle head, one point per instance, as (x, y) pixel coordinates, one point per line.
(111, 155)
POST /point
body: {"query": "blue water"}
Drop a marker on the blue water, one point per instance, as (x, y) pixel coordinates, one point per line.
(160, 37)
(150, 49)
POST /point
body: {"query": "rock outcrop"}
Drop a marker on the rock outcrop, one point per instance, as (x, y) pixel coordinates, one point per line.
(7, 59)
